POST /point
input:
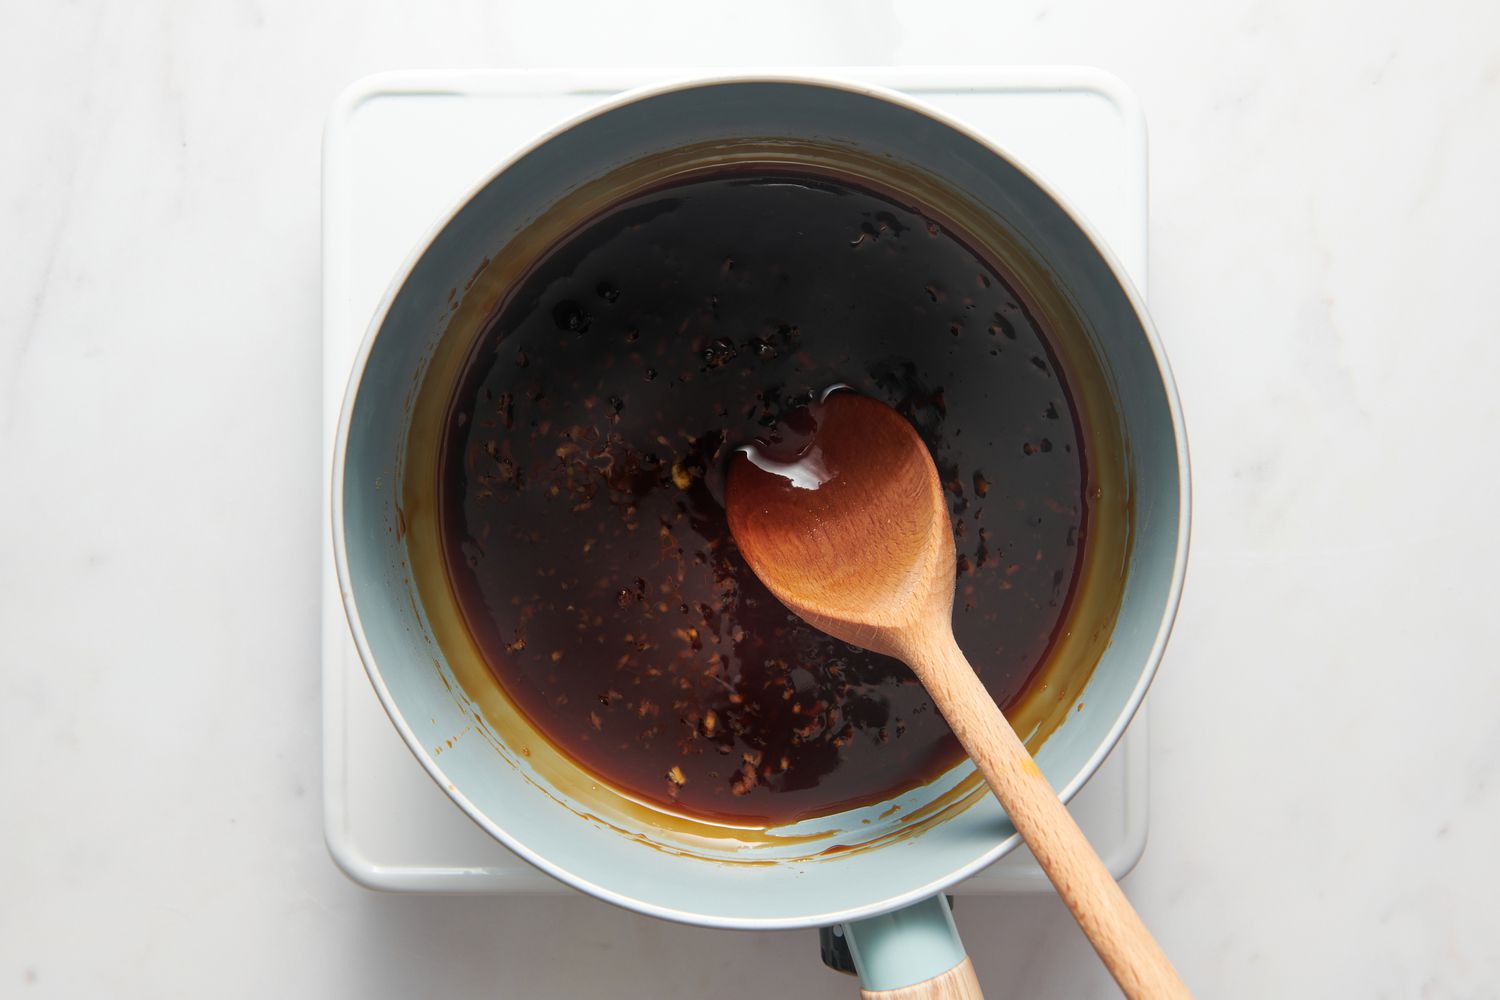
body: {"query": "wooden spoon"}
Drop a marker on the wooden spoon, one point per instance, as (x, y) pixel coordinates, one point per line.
(843, 519)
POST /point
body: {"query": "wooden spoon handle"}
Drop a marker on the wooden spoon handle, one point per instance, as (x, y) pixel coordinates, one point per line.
(1113, 927)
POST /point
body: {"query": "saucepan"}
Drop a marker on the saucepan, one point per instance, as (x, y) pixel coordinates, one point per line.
(876, 873)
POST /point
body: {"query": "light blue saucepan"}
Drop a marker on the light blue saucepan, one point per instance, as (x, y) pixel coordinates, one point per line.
(887, 897)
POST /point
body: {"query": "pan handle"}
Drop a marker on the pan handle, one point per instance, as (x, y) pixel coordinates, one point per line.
(912, 954)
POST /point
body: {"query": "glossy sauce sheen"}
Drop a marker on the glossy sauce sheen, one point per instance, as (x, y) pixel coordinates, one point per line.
(581, 488)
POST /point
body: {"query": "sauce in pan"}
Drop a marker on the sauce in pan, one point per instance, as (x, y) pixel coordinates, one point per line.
(581, 487)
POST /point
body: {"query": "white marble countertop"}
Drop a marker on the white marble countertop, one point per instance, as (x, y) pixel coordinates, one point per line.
(1324, 769)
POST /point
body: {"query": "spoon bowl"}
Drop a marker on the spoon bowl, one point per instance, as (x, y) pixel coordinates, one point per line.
(842, 525)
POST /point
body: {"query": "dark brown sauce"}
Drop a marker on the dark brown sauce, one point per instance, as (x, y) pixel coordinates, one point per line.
(581, 487)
